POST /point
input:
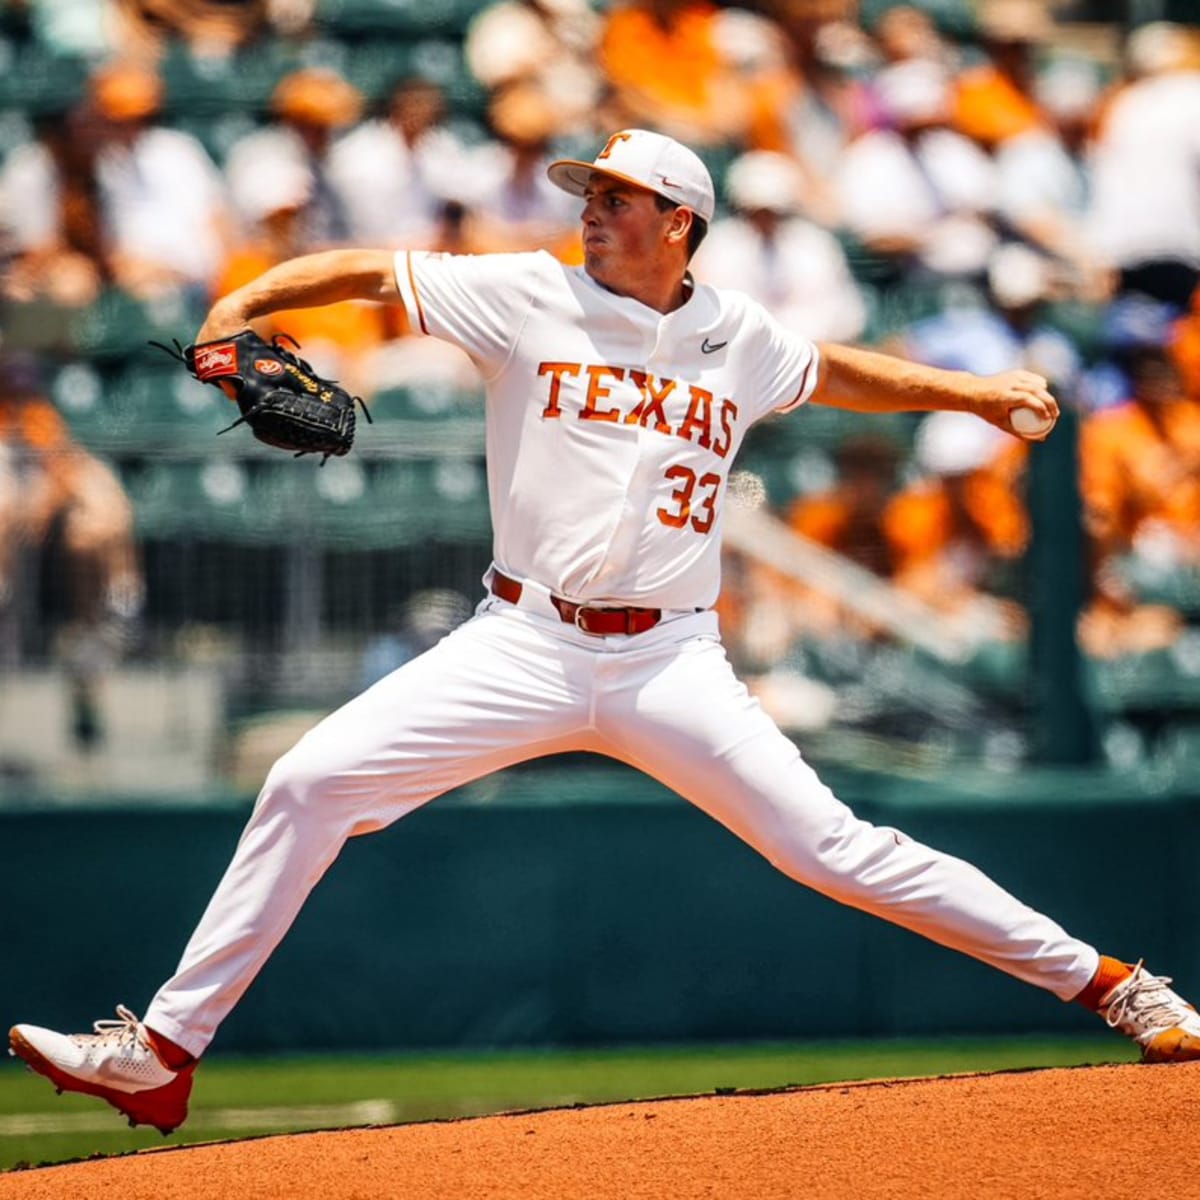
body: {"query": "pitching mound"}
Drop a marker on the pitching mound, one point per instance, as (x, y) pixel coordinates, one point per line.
(1113, 1131)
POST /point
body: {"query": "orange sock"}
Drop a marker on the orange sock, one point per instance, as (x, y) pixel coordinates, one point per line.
(170, 1055)
(1109, 973)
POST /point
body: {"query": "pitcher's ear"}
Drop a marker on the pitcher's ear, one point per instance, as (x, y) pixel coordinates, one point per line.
(681, 225)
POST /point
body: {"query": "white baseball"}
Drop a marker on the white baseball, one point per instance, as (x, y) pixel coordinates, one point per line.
(1029, 422)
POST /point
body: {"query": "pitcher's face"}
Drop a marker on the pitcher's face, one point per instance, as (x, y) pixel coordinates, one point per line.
(624, 233)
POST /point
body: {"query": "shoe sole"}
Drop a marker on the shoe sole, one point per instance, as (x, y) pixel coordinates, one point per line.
(1173, 1045)
(142, 1108)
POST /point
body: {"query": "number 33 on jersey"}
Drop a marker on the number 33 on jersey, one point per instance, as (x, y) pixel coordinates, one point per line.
(635, 413)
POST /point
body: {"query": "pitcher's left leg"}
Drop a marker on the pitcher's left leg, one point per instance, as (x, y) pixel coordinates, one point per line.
(689, 722)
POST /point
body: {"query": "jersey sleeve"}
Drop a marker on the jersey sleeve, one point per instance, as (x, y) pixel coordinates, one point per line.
(476, 301)
(786, 364)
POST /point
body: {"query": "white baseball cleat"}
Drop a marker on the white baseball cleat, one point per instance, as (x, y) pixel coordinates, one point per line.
(116, 1063)
(1163, 1024)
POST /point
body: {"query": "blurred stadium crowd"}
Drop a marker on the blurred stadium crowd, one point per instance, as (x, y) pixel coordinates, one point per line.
(976, 185)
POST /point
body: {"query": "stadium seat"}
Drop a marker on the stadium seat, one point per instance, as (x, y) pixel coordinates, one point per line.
(425, 420)
(373, 67)
(36, 81)
(241, 83)
(197, 499)
(718, 160)
(442, 62)
(15, 130)
(342, 509)
(139, 408)
(426, 402)
(118, 325)
(443, 498)
(216, 132)
(1083, 323)
(77, 389)
(823, 427)
(418, 18)
(1161, 680)
(171, 407)
(1152, 581)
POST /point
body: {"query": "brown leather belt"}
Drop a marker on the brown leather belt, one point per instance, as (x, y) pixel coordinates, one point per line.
(598, 620)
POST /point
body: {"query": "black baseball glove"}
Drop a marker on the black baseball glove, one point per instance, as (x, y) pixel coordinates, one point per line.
(283, 400)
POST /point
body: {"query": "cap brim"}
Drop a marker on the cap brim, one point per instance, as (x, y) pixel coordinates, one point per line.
(573, 176)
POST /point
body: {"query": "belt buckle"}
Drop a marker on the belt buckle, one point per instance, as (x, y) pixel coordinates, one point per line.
(590, 608)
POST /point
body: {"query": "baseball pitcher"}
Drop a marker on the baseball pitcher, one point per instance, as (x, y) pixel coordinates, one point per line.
(618, 394)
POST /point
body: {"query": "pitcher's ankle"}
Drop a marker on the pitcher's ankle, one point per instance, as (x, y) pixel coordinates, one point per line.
(1109, 973)
(169, 1053)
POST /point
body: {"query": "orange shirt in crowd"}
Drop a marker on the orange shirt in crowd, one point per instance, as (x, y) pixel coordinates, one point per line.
(989, 107)
(677, 63)
(920, 522)
(833, 519)
(33, 422)
(348, 324)
(1136, 469)
(676, 71)
(1185, 348)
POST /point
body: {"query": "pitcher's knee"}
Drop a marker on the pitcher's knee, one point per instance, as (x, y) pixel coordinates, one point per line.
(298, 779)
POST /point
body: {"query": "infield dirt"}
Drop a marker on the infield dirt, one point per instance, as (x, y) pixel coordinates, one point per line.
(1114, 1131)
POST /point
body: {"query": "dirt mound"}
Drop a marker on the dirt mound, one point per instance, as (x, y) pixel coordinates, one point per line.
(1117, 1131)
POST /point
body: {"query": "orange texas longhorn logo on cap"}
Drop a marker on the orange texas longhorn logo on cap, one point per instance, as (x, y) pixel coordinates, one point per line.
(612, 141)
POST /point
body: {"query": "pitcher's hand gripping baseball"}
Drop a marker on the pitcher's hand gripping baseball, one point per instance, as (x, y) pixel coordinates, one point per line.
(283, 400)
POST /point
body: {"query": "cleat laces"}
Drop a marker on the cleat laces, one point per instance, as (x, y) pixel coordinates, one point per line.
(125, 1032)
(1145, 1003)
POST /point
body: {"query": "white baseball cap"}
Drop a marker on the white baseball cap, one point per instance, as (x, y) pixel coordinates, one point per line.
(649, 160)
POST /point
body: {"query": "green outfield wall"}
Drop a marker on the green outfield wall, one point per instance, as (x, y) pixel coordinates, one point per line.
(582, 904)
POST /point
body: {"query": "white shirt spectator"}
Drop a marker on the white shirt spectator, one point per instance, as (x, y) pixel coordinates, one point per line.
(1037, 177)
(799, 275)
(278, 145)
(791, 266)
(937, 190)
(392, 193)
(164, 202)
(1146, 203)
(29, 197)
(526, 198)
(549, 42)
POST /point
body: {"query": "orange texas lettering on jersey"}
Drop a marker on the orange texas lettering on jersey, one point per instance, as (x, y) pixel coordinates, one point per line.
(704, 424)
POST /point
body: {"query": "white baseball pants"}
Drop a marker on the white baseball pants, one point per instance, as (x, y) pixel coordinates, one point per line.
(513, 684)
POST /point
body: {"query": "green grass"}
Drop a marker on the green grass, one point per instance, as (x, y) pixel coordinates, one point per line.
(240, 1097)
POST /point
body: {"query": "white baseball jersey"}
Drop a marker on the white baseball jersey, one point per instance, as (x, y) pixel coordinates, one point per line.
(637, 414)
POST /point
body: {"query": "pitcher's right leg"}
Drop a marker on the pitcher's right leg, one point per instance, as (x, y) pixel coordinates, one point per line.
(495, 692)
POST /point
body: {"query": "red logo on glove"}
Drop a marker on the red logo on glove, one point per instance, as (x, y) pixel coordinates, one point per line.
(268, 366)
(216, 360)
